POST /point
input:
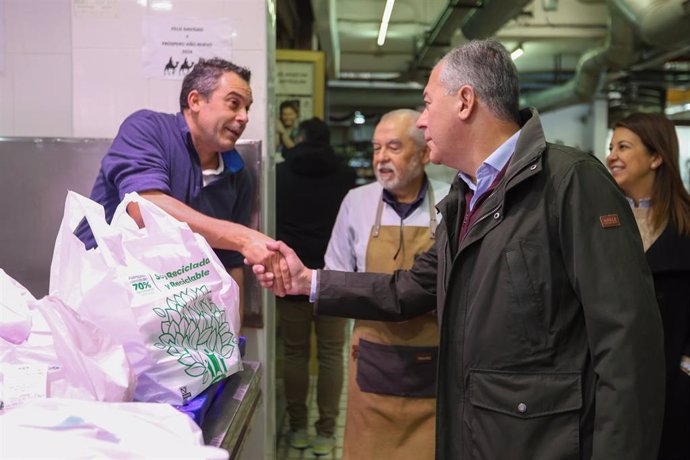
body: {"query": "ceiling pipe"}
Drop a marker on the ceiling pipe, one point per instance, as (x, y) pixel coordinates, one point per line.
(439, 35)
(486, 21)
(617, 53)
(659, 23)
(380, 99)
(659, 58)
(327, 23)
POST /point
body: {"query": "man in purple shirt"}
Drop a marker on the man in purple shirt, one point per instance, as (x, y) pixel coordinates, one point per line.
(186, 164)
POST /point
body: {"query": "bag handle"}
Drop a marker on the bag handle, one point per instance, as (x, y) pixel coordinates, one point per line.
(156, 220)
(63, 281)
(78, 207)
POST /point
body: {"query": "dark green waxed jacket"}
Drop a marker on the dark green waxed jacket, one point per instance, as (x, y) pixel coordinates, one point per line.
(551, 341)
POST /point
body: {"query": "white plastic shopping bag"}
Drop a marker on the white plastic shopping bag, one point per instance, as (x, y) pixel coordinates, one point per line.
(61, 428)
(160, 290)
(15, 317)
(62, 356)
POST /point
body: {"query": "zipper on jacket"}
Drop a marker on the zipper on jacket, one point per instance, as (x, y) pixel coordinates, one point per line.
(469, 230)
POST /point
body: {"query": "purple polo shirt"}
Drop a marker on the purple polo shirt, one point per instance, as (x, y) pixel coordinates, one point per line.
(154, 151)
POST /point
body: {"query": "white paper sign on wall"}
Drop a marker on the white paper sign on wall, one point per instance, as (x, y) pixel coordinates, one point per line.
(172, 46)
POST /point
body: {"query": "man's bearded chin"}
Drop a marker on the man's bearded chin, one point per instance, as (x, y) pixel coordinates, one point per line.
(402, 179)
(390, 183)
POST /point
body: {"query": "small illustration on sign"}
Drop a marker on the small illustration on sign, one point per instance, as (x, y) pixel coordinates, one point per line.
(170, 67)
(186, 67)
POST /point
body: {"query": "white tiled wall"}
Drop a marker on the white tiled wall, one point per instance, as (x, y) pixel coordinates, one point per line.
(36, 86)
(72, 72)
(6, 99)
(37, 26)
(42, 93)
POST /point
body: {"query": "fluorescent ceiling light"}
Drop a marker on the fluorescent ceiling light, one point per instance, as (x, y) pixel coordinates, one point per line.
(384, 22)
(370, 75)
(517, 53)
(374, 84)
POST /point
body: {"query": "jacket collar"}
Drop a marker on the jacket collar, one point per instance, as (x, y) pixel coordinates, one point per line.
(530, 145)
(528, 149)
(525, 162)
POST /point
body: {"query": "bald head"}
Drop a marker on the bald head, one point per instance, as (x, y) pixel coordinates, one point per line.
(400, 154)
(407, 117)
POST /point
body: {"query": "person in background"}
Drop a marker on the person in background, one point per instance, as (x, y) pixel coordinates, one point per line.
(186, 163)
(551, 343)
(310, 184)
(382, 227)
(644, 161)
(288, 123)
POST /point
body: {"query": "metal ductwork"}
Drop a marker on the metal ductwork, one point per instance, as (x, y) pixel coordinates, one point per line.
(657, 23)
(616, 54)
(438, 37)
(483, 22)
(373, 97)
(328, 34)
(493, 15)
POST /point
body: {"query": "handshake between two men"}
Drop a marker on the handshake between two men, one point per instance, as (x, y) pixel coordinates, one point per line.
(289, 275)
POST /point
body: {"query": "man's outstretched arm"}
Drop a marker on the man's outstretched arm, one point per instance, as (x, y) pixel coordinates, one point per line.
(375, 296)
(219, 233)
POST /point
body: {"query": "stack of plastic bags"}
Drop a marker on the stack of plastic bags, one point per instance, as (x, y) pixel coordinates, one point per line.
(64, 387)
(150, 315)
(48, 350)
(62, 428)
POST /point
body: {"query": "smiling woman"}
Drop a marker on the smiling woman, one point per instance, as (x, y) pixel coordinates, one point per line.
(644, 162)
(632, 164)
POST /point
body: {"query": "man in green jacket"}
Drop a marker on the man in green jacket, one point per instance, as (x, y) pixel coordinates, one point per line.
(551, 340)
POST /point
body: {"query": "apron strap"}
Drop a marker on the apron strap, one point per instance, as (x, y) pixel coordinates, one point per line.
(432, 215)
(377, 222)
(432, 212)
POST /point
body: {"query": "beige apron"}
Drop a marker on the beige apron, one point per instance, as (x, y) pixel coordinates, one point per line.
(380, 423)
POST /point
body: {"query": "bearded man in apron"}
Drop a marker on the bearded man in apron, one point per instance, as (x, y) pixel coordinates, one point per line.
(381, 227)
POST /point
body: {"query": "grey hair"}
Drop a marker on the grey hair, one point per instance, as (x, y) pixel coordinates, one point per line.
(204, 78)
(416, 134)
(486, 66)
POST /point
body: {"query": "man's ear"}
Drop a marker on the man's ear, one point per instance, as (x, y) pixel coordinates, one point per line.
(425, 153)
(194, 100)
(466, 101)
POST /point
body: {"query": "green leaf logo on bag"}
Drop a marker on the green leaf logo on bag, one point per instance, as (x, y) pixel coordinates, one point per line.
(196, 332)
